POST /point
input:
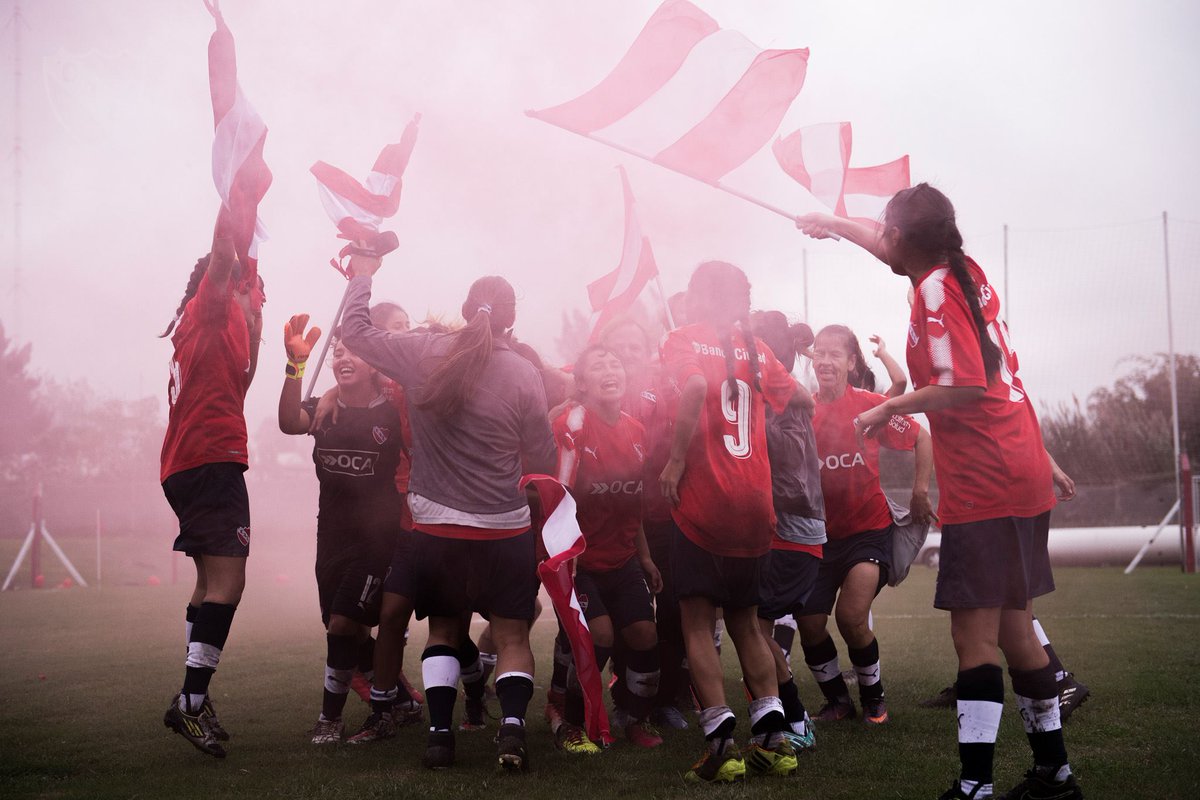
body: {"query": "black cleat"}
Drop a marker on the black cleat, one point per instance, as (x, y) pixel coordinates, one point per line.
(510, 749)
(1038, 787)
(946, 698)
(193, 728)
(1071, 695)
(218, 731)
(439, 751)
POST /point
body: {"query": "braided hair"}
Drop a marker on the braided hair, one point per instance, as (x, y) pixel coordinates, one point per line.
(925, 218)
(193, 286)
(719, 294)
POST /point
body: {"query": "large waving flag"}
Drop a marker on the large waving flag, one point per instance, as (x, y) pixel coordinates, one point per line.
(358, 209)
(564, 542)
(818, 158)
(689, 96)
(617, 292)
(239, 171)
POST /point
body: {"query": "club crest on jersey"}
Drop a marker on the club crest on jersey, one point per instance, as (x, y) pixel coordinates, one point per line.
(243, 535)
(358, 463)
(583, 600)
(380, 434)
(913, 338)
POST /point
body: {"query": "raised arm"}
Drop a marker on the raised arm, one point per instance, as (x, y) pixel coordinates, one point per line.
(293, 419)
(394, 354)
(895, 372)
(826, 226)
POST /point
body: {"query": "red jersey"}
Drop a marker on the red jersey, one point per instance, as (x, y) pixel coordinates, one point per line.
(854, 500)
(725, 494)
(602, 464)
(210, 373)
(988, 454)
(654, 406)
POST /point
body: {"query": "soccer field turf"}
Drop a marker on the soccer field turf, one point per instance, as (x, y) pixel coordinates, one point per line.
(85, 675)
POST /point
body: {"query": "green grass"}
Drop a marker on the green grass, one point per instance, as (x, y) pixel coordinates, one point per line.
(85, 675)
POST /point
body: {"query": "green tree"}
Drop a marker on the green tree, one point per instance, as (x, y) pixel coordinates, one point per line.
(23, 420)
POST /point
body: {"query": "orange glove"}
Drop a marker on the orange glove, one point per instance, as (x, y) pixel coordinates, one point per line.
(295, 342)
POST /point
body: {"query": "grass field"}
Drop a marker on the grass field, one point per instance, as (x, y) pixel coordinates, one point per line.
(85, 675)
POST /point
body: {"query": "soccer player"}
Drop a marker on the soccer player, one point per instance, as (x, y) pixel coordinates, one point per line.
(217, 330)
(601, 451)
(359, 507)
(994, 479)
(719, 483)
(650, 399)
(800, 529)
(858, 520)
(478, 413)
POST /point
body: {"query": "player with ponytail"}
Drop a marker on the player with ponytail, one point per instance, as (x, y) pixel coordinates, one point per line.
(995, 483)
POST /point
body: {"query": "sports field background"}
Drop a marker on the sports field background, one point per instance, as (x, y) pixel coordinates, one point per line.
(85, 675)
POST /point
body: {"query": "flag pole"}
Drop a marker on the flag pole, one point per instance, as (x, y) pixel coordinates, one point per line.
(337, 318)
(666, 306)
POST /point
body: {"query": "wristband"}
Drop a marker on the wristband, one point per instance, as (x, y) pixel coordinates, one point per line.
(294, 370)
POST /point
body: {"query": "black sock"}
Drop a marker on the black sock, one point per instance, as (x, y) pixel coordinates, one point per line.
(1037, 699)
(562, 661)
(209, 632)
(784, 636)
(514, 690)
(793, 706)
(190, 616)
(866, 666)
(341, 656)
(822, 660)
(366, 656)
(439, 668)
(980, 702)
(574, 708)
(642, 674)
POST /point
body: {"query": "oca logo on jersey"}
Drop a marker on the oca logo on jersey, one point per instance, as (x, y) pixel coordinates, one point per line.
(844, 461)
(359, 463)
(617, 487)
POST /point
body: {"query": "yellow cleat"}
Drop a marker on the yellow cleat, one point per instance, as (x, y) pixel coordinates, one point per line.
(726, 766)
(778, 760)
(573, 740)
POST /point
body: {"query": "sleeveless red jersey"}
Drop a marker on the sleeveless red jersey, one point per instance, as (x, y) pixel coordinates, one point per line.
(210, 373)
(854, 500)
(988, 454)
(725, 503)
(602, 464)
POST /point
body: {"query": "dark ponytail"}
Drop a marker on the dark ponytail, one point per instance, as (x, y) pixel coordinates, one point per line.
(925, 218)
(489, 309)
(193, 286)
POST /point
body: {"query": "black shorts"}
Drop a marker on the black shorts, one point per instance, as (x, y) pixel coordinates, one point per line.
(994, 563)
(399, 575)
(840, 556)
(726, 581)
(350, 583)
(495, 577)
(621, 593)
(213, 509)
(788, 580)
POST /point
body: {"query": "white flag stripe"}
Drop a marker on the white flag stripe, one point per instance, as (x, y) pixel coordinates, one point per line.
(236, 136)
(761, 178)
(866, 206)
(631, 255)
(821, 149)
(561, 530)
(712, 68)
(338, 208)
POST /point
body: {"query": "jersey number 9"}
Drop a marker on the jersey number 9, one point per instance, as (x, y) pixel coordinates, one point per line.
(737, 413)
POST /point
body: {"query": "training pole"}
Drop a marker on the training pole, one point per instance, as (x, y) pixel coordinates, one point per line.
(1171, 355)
(1150, 542)
(98, 584)
(1187, 516)
(35, 545)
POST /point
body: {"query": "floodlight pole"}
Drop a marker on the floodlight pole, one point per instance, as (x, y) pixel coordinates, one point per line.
(1171, 352)
(35, 543)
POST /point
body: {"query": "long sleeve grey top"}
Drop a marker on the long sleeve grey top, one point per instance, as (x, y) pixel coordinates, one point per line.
(474, 460)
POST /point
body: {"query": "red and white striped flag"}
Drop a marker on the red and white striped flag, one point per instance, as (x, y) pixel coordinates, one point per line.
(818, 158)
(617, 292)
(239, 171)
(688, 96)
(358, 209)
(564, 542)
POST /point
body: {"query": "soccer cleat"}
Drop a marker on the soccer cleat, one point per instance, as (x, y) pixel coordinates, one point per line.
(835, 710)
(511, 754)
(982, 791)
(377, 726)
(669, 717)
(777, 760)
(643, 734)
(407, 712)
(572, 739)
(802, 742)
(193, 728)
(1037, 787)
(328, 731)
(1071, 695)
(473, 718)
(723, 766)
(946, 698)
(875, 711)
(439, 750)
(361, 686)
(218, 731)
